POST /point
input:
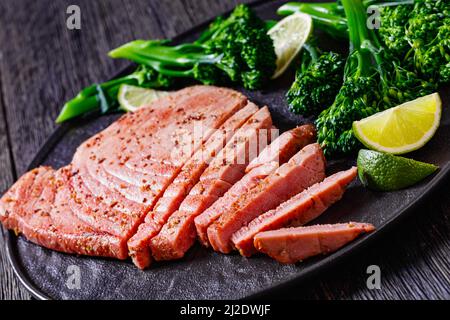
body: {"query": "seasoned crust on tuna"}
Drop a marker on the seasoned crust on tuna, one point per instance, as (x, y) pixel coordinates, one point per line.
(117, 175)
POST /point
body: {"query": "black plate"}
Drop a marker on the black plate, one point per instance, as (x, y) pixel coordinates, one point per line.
(203, 274)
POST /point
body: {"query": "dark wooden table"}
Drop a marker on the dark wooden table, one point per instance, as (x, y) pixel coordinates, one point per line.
(42, 63)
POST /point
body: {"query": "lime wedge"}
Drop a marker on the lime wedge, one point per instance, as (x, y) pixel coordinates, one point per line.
(288, 37)
(402, 129)
(386, 172)
(132, 97)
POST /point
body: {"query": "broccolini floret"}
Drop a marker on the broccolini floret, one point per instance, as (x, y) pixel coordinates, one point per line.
(417, 32)
(392, 29)
(428, 33)
(236, 49)
(374, 80)
(317, 81)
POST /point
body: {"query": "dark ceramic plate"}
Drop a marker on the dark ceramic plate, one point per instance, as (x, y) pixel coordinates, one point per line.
(204, 274)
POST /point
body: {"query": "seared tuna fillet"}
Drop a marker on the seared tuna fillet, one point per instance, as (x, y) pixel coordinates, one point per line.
(304, 169)
(129, 165)
(138, 245)
(270, 158)
(117, 175)
(297, 211)
(178, 234)
(38, 206)
(285, 146)
(137, 157)
(290, 245)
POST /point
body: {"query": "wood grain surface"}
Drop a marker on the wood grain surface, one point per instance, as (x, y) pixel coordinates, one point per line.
(42, 64)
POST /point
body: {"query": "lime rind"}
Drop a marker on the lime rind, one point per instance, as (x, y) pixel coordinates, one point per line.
(386, 172)
(132, 97)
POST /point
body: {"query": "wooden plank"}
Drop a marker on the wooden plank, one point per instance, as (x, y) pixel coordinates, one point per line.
(10, 288)
(179, 16)
(46, 64)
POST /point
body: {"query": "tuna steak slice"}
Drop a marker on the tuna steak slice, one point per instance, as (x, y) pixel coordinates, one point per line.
(38, 206)
(138, 245)
(290, 245)
(117, 175)
(297, 211)
(16, 198)
(270, 158)
(304, 169)
(179, 234)
(137, 157)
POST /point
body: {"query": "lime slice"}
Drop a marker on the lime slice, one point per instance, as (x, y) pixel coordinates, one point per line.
(386, 172)
(288, 37)
(402, 129)
(132, 97)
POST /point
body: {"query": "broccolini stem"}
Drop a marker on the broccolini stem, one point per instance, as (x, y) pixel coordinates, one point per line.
(356, 18)
(326, 8)
(325, 16)
(153, 54)
(88, 100)
(103, 97)
(359, 34)
(329, 16)
(76, 107)
(312, 51)
(270, 24)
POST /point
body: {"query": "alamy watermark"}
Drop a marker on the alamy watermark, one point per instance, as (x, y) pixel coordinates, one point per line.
(73, 273)
(224, 146)
(73, 21)
(373, 282)
(373, 19)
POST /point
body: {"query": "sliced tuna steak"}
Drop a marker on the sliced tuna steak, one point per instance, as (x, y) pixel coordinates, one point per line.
(304, 169)
(138, 245)
(178, 234)
(270, 158)
(117, 175)
(38, 206)
(137, 157)
(297, 211)
(129, 165)
(285, 146)
(291, 245)
(30, 185)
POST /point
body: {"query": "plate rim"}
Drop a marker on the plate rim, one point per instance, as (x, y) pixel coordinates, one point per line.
(308, 272)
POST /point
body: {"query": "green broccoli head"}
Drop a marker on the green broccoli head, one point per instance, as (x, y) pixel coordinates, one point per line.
(316, 84)
(400, 84)
(419, 36)
(209, 74)
(392, 28)
(428, 32)
(356, 99)
(258, 54)
(445, 73)
(148, 77)
(236, 49)
(247, 52)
